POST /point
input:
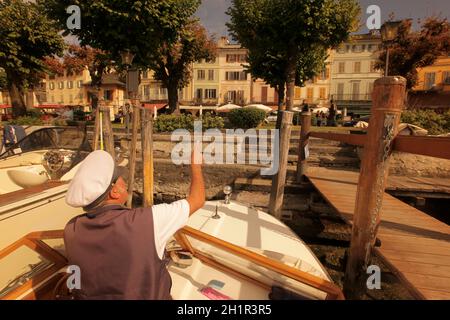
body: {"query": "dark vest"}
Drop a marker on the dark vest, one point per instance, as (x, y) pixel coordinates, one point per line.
(115, 250)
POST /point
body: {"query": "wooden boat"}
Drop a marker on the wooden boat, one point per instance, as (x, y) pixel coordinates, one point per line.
(233, 251)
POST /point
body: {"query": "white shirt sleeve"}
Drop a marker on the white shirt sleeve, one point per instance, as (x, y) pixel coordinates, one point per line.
(167, 220)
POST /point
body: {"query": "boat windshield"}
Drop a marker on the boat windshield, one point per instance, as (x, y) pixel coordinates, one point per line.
(67, 138)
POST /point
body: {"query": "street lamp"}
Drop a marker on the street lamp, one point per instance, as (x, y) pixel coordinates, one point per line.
(127, 60)
(389, 32)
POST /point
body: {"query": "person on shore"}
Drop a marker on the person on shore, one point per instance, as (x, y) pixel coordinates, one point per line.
(120, 252)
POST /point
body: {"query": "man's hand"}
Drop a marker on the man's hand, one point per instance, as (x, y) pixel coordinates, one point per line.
(197, 195)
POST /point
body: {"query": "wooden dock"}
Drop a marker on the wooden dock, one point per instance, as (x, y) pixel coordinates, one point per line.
(415, 246)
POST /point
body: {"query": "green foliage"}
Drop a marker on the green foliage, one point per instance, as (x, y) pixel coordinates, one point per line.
(435, 123)
(115, 26)
(3, 80)
(416, 49)
(169, 123)
(288, 46)
(27, 121)
(27, 37)
(246, 118)
(172, 62)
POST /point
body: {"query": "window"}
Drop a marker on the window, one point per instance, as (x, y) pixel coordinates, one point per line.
(341, 67)
(310, 93)
(357, 67)
(51, 86)
(323, 93)
(201, 74)
(446, 77)
(369, 88)
(145, 74)
(341, 49)
(163, 92)
(372, 48)
(235, 76)
(199, 94)
(236, 58)
(340, 91)
(61, 85)
(357, 48)
(298, 93)
(210, 93)
(69, 84)
(146, 92)
(80, 83)
(210, 74)
(108, 95)
(430, 80)
(236, 97)
(356, 86)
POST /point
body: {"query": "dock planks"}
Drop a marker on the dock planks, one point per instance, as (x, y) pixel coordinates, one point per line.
(414, 245)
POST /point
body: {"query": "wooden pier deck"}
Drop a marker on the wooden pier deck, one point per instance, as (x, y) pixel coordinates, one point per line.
(414, 245)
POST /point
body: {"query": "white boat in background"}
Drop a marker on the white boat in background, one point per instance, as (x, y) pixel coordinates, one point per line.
(232, 251)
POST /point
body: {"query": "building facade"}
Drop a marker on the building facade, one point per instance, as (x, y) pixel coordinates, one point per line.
(75, 90)
(353, 72)
(235, 83)
(435, 77)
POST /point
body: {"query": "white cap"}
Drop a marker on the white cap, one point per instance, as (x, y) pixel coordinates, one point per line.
(92, 180)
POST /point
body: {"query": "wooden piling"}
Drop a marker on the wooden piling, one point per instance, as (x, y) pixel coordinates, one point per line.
(303, 146)
(388, 102)
(279, 180)
(108, 134)
(132, 158)
(147, 156)
(96, 130)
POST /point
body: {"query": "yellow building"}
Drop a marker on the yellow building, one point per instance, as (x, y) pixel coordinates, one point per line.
(353, 72)
(76, 90)
(435, 77)
(153, 91)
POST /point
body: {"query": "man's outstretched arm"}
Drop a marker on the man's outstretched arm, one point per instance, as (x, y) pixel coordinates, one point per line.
(196, 198)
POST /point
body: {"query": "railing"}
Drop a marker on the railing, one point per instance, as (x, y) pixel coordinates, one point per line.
(438, 147)
(381, 139)
(352, 97)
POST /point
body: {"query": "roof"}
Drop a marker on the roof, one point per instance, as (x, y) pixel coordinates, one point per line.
(109, 79)
(429, 99)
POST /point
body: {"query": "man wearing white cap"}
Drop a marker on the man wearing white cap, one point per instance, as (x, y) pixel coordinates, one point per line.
(120, 251)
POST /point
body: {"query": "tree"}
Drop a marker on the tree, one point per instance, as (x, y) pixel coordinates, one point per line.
(287, 29)
(28, 36)
(413, 50)
(271, 68)
(172, 62)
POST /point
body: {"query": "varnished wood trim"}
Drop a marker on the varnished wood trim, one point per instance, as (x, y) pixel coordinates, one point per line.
(273, 265)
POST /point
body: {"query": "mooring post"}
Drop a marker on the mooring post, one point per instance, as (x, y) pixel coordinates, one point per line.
(279, 179)
(132, 158)
(147, 156)
(303, 146)
(108, 134)
(388, 102)
(96, 129)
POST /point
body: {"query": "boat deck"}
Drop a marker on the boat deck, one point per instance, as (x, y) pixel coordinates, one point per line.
(22, 194)
(414, 245)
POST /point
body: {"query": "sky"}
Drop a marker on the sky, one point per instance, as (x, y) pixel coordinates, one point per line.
(212, 12)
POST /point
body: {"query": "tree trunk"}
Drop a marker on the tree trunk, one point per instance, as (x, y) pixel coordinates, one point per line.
(17, 100)
(290, 82)
(174, 106)
(281, 107)
(281, 95)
